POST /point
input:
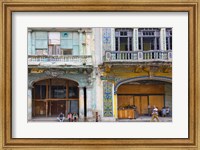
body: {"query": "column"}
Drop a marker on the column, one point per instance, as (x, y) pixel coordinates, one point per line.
(163, 39)
(33, 43)
(49, 108)
(90, 101)
(66, 108)
(81, 102)
(155, 43)
(29, 103)
(80, 42)
(135, 40)
(140, 53)
(141, 39)
(112, 39)
(128, 44)
(67, 96)
(46, 108)
(88, 42)
(115, 106)
(168, 42)
(29, 42)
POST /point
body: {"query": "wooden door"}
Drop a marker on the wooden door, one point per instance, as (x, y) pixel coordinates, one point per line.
(61, 106)
(157, 100)
(144, 105)
(57, 107)
(125, 101)
(137, 103)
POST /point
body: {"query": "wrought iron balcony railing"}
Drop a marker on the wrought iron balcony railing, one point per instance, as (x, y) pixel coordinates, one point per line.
(59, 60)
(138, 56)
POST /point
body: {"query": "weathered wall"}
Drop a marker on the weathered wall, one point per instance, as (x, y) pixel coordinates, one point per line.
(168, 96)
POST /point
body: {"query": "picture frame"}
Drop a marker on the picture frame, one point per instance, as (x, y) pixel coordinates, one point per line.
(8, 7)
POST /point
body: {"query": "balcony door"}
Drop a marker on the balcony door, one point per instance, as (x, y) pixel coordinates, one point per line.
(123, 39)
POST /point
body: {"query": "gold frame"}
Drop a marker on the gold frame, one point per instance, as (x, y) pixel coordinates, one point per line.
(9, 6)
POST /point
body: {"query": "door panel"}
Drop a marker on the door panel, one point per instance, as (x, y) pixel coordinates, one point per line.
(144, 105)
(125, 100)
(74, 106)
(157, 100)
(57, 107)
(137, 103)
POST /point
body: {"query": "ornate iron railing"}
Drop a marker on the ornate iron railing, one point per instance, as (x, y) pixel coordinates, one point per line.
(69, 59)
(138, 56)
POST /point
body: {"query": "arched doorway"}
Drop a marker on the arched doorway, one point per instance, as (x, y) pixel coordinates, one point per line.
(53, 96)
(143, 95)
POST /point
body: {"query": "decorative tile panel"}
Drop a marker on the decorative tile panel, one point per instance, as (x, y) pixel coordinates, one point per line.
(107, 99)
(106, 33)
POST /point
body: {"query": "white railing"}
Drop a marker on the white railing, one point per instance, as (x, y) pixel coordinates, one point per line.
(60, 59)
(138, 56)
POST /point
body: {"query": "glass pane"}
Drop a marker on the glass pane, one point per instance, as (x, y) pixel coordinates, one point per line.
(58, 92)
(73, 92)
(43, 91)
(123, 43)
(74, 106)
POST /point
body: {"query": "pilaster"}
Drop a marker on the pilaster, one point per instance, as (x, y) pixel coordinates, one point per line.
(81, 103)
(135, 40)
(163, 39)
(29, 42)
(80, 42)
(29, 103)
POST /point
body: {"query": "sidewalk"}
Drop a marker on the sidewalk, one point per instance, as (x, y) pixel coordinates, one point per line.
(139, 119)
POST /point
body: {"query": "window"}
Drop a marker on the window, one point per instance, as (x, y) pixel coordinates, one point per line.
(149, 39)
(54, 43)
(54, 38)
(41, 52)
(67, 52)
(54, 50)
(123, 39)
(58, 92)
(169, 39)
(73, 92)
(40, 92)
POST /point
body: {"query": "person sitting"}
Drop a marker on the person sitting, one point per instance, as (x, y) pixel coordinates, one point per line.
(61, 117)
(69, 117)
(75, 116)
(167, 111)
(163, 112)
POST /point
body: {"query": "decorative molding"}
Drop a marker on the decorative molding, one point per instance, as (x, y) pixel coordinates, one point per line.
(140, 78)
(54, 73)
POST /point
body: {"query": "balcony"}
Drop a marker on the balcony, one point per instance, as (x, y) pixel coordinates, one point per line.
(59, 60)
(139, 56)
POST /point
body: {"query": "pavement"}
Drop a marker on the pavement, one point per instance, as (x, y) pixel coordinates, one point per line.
(139, 119)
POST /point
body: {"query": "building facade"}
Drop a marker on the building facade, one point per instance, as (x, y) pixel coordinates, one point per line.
(104, 70)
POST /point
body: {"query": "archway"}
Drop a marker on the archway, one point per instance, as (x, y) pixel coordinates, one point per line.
(53, 96)
(142, 95)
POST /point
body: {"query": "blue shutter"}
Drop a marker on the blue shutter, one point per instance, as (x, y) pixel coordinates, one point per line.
(41, 40)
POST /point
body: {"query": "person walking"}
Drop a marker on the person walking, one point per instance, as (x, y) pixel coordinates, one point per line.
(155, 114)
